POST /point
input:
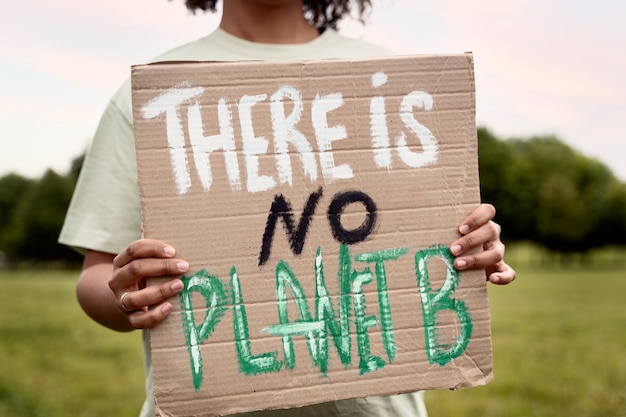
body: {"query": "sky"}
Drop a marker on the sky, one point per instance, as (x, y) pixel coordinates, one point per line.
(542, 67)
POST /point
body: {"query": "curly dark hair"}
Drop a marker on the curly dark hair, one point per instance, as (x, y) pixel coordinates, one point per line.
(321, 13)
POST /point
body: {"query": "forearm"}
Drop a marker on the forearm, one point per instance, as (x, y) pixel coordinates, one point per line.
(97, 299)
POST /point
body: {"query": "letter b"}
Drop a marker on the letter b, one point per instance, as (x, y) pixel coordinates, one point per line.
(434, 302)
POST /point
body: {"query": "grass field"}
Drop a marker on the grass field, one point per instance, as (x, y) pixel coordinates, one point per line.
(54, 361)
(559, 336)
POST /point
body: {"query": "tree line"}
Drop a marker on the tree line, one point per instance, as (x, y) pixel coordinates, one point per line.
(544, 191)
(550, 194)
(32, 212)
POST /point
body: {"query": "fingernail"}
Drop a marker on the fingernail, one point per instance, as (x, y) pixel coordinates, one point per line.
(182, 266)
(464, 229)
(455, 249)
(177, 285)
(167, 307)
(495, 279)
(461, 263)
(169, 251)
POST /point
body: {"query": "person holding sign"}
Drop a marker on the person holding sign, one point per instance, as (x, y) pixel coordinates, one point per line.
(104, 218)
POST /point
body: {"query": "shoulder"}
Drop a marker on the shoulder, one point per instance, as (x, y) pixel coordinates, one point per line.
(348, 47)
(194, 50)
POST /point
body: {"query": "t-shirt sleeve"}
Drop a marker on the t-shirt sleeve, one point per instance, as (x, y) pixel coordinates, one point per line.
(105, 212)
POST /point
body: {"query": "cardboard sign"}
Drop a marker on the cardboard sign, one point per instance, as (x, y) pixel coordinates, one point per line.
(315, 202)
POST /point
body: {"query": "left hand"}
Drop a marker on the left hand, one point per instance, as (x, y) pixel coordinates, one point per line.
(480, 231)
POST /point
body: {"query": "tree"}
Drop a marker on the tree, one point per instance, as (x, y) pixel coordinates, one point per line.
(37, 220)
(500, 185)
(548, 193)
(611, 228)
(12, 188)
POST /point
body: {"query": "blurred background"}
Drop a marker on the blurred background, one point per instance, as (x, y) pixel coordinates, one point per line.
(552, 144)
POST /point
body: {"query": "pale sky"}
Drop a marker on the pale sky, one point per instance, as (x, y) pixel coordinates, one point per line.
(542, 67)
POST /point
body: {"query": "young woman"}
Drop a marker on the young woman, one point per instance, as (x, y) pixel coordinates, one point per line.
(104, 218)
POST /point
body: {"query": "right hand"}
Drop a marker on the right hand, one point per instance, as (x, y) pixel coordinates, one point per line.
(144, 306)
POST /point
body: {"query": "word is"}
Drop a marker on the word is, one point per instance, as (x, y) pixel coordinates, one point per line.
(315, 151)
(329, 319)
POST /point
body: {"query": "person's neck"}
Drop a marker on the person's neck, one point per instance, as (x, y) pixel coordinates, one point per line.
(280, 24)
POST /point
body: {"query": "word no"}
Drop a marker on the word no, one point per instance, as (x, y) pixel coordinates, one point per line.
(281, 209)
(183, 99)
(329, 319)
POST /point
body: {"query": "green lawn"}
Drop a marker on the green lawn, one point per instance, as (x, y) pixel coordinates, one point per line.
(558, 334)
(54, 361)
